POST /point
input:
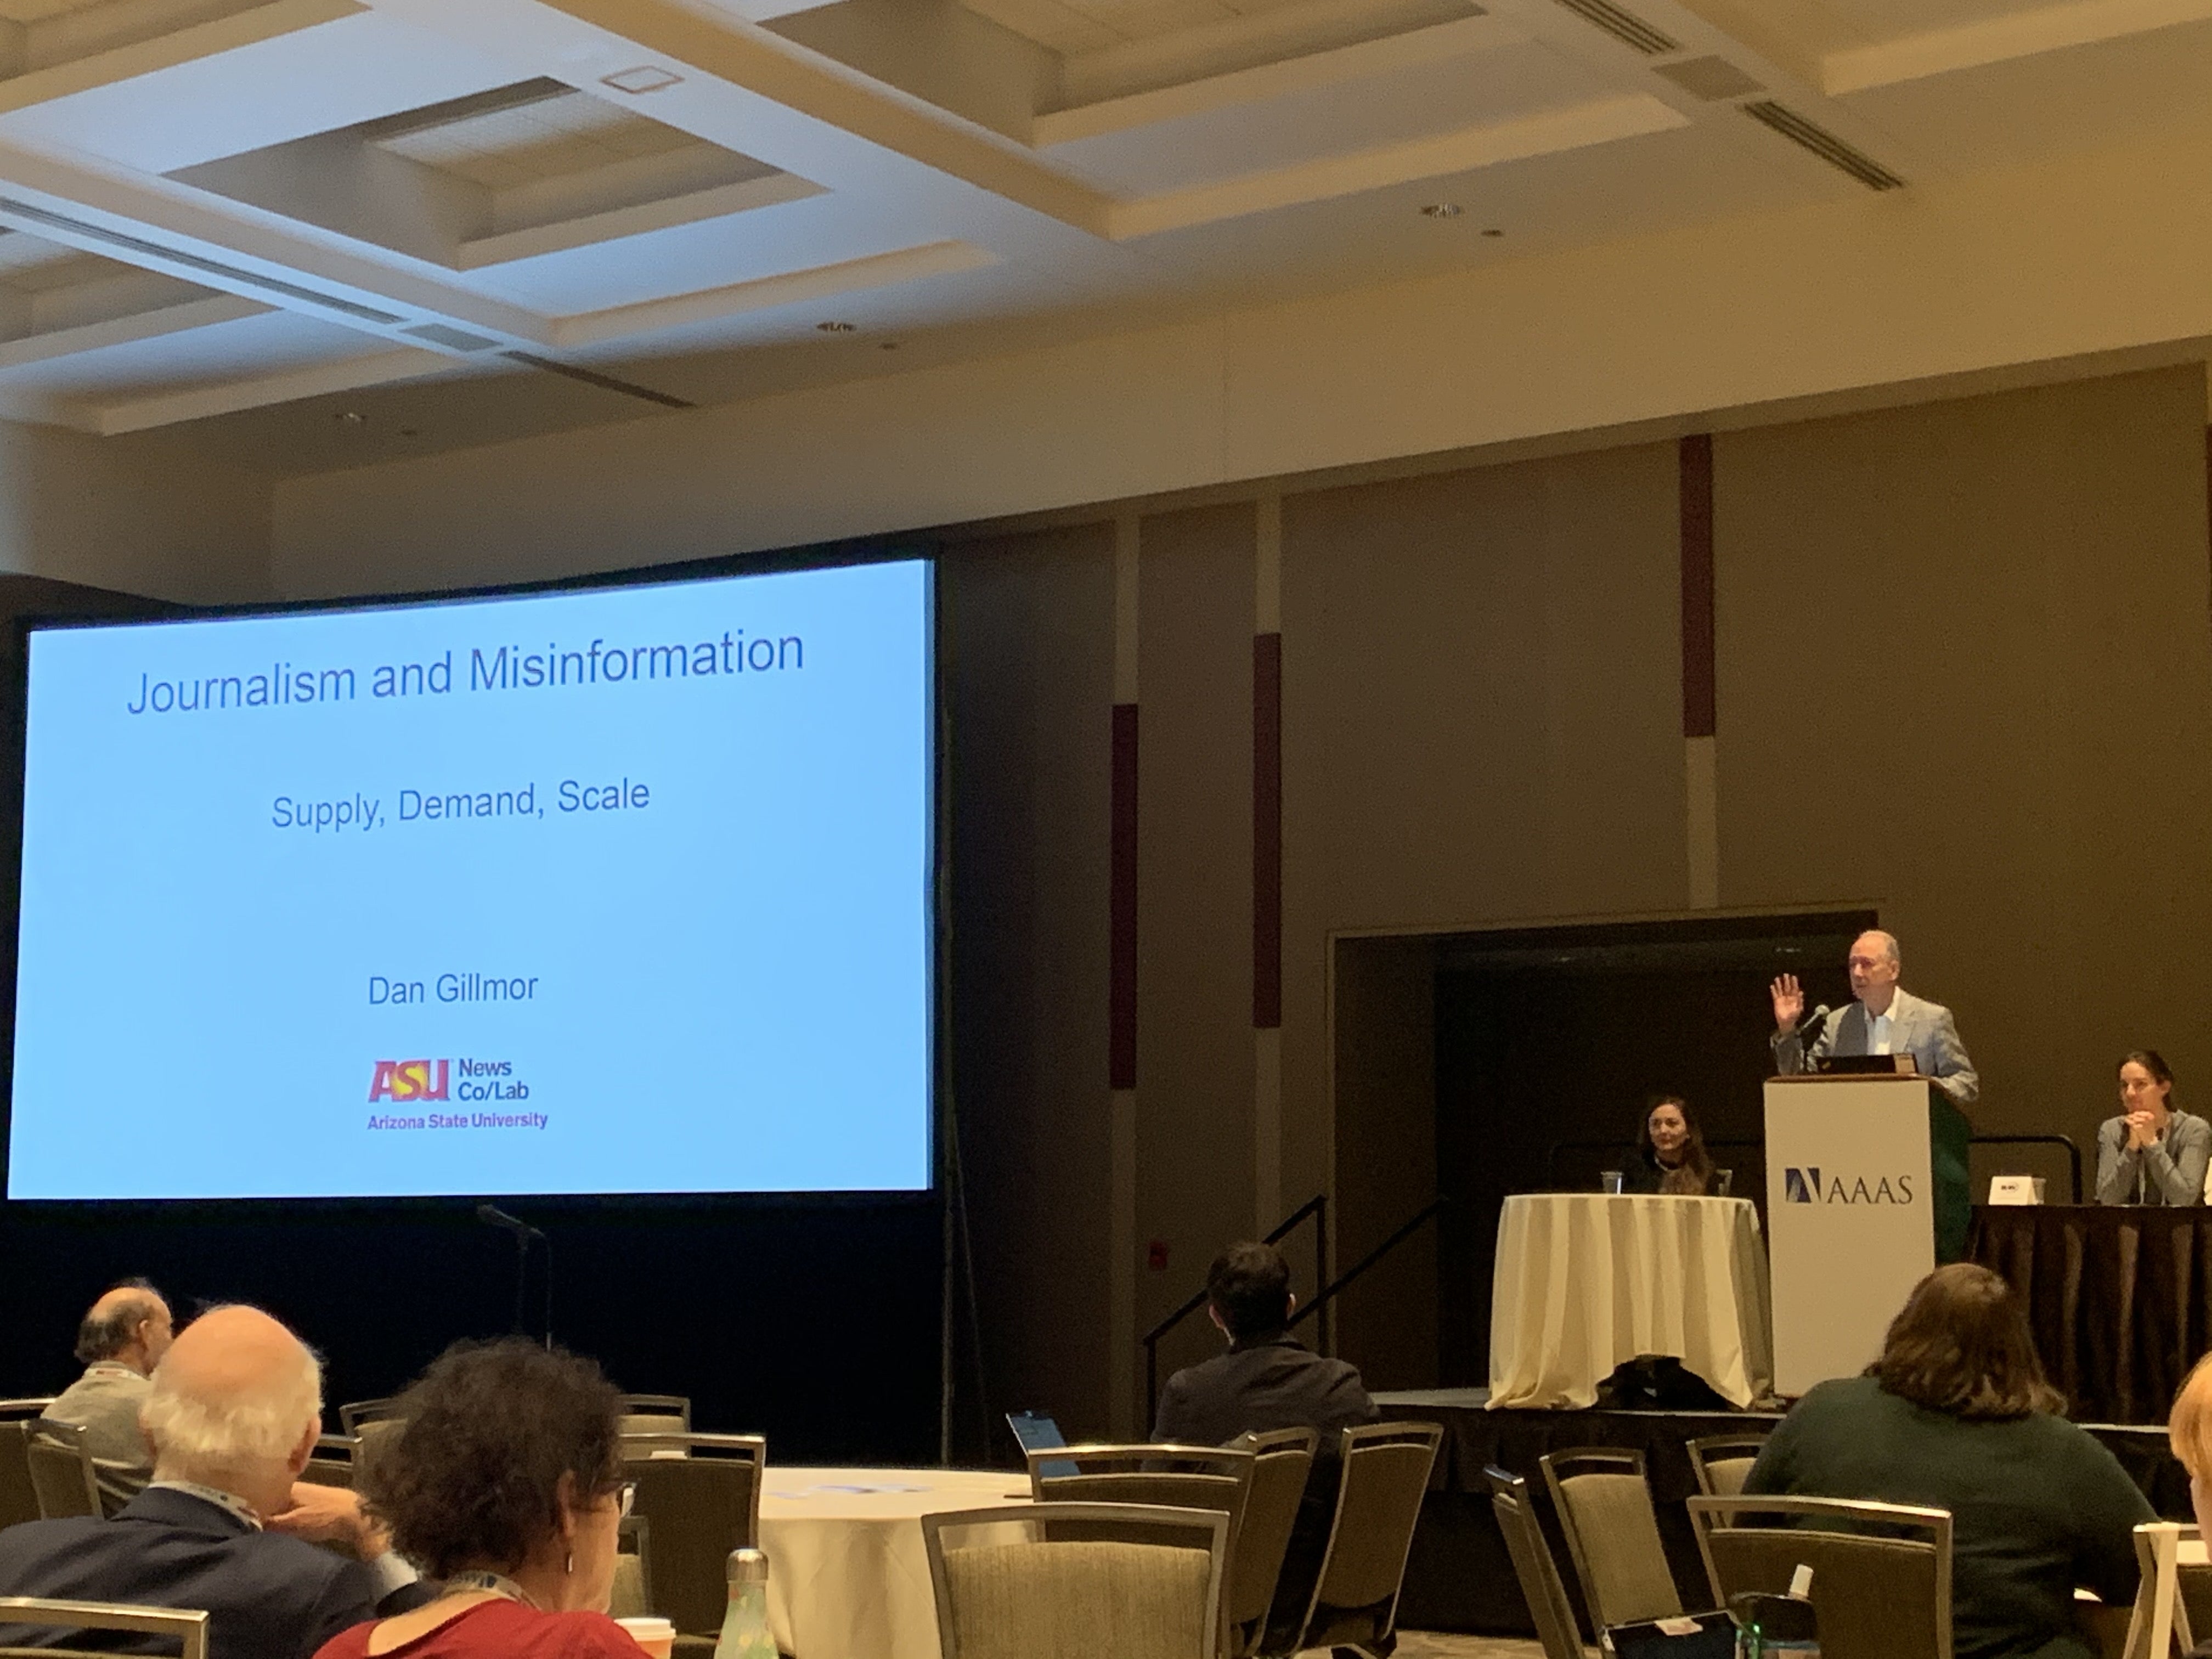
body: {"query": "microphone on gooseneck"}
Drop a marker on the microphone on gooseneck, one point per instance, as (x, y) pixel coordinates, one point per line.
(1805, 1033)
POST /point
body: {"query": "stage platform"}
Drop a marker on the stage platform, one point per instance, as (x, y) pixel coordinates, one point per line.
(1459, 1576)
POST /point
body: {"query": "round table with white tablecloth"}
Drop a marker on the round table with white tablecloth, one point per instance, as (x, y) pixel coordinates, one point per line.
(848, 1579)
(1586, 1281)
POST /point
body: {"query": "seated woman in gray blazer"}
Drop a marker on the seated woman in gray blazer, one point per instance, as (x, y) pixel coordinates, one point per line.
(2151, 1153)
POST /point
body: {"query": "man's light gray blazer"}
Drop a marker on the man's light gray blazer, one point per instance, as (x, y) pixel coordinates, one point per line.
(1921, 1028)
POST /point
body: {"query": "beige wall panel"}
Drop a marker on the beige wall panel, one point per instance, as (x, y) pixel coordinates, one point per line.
(1966, 672)
(138, 515)
(1481, 724)
(1386, 1122)
(1027, 635)
(1194, 1051)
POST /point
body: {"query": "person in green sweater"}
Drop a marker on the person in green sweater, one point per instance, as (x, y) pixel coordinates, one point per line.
(1956, 1415)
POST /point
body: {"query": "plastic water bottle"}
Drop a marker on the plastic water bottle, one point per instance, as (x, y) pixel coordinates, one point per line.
(745, 1633)
(1783, 1626)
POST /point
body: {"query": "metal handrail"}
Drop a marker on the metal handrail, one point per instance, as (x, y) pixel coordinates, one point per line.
(1404, 1232)
(1317, 1207)
(2073, 1153)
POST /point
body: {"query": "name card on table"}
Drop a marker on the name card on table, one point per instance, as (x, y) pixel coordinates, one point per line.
(2017, 1190)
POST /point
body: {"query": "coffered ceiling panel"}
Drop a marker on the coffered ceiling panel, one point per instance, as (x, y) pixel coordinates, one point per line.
(468, 218)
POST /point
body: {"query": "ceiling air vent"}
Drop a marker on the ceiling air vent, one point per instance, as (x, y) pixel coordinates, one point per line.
(235, 276)
(1823, 143)
(1624, 26)
(444, 334)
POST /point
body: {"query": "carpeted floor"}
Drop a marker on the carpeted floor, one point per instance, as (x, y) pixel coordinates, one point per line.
(1437, 1645)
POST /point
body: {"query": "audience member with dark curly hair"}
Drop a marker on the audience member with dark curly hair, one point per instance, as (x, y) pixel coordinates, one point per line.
(505, 1483)
(1956, 1415)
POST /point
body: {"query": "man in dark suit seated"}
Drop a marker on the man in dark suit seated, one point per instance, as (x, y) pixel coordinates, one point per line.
(223, 1527)
(1267, 1380)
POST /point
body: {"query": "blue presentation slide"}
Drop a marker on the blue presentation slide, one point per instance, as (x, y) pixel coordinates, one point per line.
(605, 891)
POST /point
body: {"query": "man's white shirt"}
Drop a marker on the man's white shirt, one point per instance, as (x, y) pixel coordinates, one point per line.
(1879, 1027)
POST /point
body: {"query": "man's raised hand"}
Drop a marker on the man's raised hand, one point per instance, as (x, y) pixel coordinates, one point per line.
(1789, 1002)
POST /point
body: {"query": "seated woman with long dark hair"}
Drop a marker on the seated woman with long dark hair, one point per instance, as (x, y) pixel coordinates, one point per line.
(1670, 1152)
(1956, 1415)
(506, 1483)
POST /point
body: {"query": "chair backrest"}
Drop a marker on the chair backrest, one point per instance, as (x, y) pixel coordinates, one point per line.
(701, 1505)
(19, 1498)
(1054, 1598)
(368, 1439)
(351, 1417)
(334, 1462)
(62, 1475)
(1281, 1460)
(1604, 1505)
(1164, 1476)
(189, 1630)
(1881, 1572)
(1553, 1614)
(2175, 1601)
(631, 1596)
(1720, 1462)
(1383, 1475)
(656, 1413)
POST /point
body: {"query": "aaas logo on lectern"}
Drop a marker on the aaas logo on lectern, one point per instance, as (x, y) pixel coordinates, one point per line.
(408, 1079)
(1805, 1186)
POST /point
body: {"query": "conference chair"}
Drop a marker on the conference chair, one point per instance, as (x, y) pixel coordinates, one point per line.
(1383, 1477)
(630, 1598)
(1281, 1460)
(1164, 1476)
(351, 1417)
(333, 1462)
(2175, 1600)
(656, 1413)
(62, 1476)
(188, 1630)
(19, 1499)
(1146, 1594)
(1553, 1614)
(1721, 1461)
(369, 1438)
(1881, 1572)
(1603, 1502)
(701, 1503)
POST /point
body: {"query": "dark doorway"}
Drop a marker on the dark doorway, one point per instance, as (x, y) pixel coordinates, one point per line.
(1549, 1041)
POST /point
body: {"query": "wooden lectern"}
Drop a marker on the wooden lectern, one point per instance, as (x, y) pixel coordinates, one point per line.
(1866, 1192)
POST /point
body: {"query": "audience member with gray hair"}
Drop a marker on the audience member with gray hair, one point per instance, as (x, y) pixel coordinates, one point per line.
(232, 1414)
(121, 1339)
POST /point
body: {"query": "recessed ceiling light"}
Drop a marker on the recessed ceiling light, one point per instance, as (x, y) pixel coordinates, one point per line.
(1493, 231)
(349, 417)
(1442, 210)
(838, 328)
(646, 77)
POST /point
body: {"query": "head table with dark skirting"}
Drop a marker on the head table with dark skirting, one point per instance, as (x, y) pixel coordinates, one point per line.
(2119, 1297)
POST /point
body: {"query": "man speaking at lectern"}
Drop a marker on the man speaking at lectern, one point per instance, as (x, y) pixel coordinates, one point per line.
(1883, 1020)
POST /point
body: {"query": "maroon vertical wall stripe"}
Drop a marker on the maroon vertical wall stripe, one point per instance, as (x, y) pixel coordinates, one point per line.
(1121, 906)
(1267, 831)
(1697, 465)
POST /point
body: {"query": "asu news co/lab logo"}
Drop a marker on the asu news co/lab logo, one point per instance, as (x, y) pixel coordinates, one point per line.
(1804, 1186)
(409, 1079)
